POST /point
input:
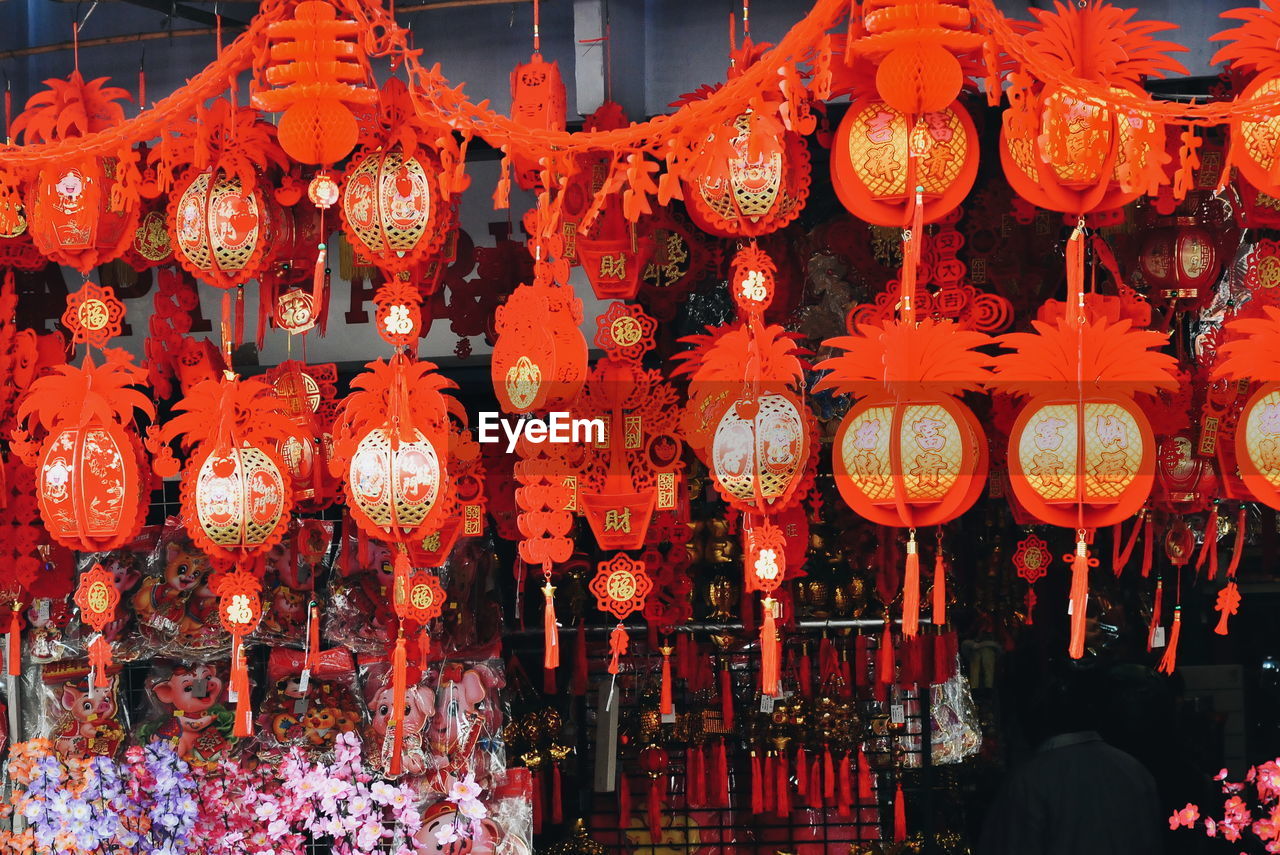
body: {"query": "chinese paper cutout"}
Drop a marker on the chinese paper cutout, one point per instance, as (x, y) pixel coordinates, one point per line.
(236, 493)
(538, 104)
(93, 315)
(318, 68)
(540, 357)
(97, 598)
(1065, 153)
(620, 587)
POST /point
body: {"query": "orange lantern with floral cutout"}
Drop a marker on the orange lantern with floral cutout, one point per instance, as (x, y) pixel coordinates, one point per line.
(540, 356)
(1252, 352)
(81, 211)
(1251, 47)
(1064, 153)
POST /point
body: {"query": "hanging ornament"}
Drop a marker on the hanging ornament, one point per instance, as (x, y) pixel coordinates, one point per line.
(1250, 352)
(537, 103)
(97, 598)
(92, 482)
(1032, 559)
(308, 393)
(765, 558)
(239, 611)
(81, 211)
(1181, 261)
(236, 495)
(620, 587)
(1064, 152)
(1250, 47)
(317, 66)
(539, 360)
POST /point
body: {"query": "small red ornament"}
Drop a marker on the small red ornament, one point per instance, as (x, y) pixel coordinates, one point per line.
(420, 598)
(93, 315)
(399, 315)
(620, 587)
(239, 610)
(1032, 562)
(97, 598)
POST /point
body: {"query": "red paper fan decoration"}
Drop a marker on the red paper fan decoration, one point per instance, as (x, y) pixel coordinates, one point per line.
(97, 598)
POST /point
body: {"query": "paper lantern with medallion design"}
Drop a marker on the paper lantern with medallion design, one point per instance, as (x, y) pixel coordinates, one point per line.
(1253, 351)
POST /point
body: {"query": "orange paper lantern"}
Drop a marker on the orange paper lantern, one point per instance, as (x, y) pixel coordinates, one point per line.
(540, 357)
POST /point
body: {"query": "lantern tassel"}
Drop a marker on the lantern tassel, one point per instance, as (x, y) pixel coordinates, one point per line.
(757, 785)
(1170, 659)
(617, 644)
(815, 785)
(802, 772)
(911, 589)
(828, 775)
(1155, 615)
(313, 637)
(399, 691)
(844, 799)
(886, 668)
(15, 641)
(240, 681)
(899, 815)
(551, 632)
(722, 774)
(769, 778)
(939, 589)
(866, 792)
(726, 696)
(1079, 597)
(769, 652)
(666, 705)
(782, 786)
(100, 661)
(557, 798)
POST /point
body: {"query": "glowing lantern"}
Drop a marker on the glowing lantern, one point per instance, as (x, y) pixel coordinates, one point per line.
(79, 212)
(89, 473)
(1061, 152)
(1253, 353)
(235, 496)
(879, 159)
(1181, 261)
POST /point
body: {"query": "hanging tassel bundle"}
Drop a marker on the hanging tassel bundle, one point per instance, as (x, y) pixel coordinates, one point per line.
(1120, 556)
(939, 587)
(313, 637)
(866, 792)
(1079, 601)
(828, 775)
(551, 634)
(782, 786)
(1169, 661)
(802, 772)
(624, 801)
(1155, 615)
(770, 762)
(557, 795)
(844, 798)
(15, 640)
(243, 727)
(618, 640)
(911, 589)
(399, 691)
(1229, 597)
(722, 774)
(815, 785)
(666, 704)
(770, 649)
(886, 668)
(899, 815)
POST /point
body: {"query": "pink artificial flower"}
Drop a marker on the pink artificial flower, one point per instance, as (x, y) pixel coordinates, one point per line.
(1185, 818)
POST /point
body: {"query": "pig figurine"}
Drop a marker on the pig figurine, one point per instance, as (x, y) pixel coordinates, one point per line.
(466, 712)
(86, 721)
(445, 831)
(419, 705)
(200, 725)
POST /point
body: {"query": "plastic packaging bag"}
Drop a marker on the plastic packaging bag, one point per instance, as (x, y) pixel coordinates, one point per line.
(358, 615)
(177, 611)
(190, 710)
(80, 719)
(956, 731)
(290, 580)
(307, 709)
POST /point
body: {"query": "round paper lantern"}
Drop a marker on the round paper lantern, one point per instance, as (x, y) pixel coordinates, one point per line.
(1253, 151)
(749, 195)
(875, 175)
(540, 355)
(910, 463)
(1258, 444)
(1182, 261)
(392, 210)
(239, 495)
(395, 486)
(222, 234)
(71, 218)
(759, 450)
(1081, 465)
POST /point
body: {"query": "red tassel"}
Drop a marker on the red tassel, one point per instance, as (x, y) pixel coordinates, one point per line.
(15, 641)
(911, 589)
(656, 834)
(866, 792)
(757, 785)
(1170, 659)
(815, 784)
(399, 690)
(424, 649)
(624, 802)
(618, 645)
(726, 696)
(1079, 597)
(557, 798)
(1148, 545)
(695, 777)
(853, 673)
(684, 657)
(828, 775)
(899, 816)
(769, 649)
(844, 801)
(667, 706)
(551, 634)
(1209, 548)
(722, 774)
(783, 786)
(317, 274)
(806, 672)
(1156, 617)
(313, 637)
(580, 661)
(538, 798)
(769, 763)
(939, 588)
(802, 772)
(886, 668)
(944, 661)
(100, 661)
(243, 727)
(142, 88)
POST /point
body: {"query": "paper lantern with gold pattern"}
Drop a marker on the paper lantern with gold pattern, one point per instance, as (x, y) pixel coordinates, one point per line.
(1255, 139)
(909, 453)
(875, 176)
(1060, 151)
(1253, 351)
(221, 233)
(392, 210)
(540, 357)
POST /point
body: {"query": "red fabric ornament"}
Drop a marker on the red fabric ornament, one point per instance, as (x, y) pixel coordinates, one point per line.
(239, 611)
(540, 356)
(620, 587)
(1032, 559)
(97, 598)
(93, 315)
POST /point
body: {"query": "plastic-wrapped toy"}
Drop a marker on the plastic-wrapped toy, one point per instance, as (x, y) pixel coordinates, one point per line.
(307, 712)
(289, 583)
(80, 719)
(358, 615)
(957, 733)
(505, 828)
(174, 593)
(419, 708)
(464, 735)
(192, 711)
(47, 620)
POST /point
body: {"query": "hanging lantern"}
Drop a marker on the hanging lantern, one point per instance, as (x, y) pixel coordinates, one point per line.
(90, 479)
(308, 393)
(390, 447)
(81, 211)
(908, 453)
(880, 162)
(1064, 153)
(236, 496)
(540, 356)
(1251, 352)
(538, 104)
(239, 611)
(392, 210)
(1181, 262)
(1250, 47)
(150, 245)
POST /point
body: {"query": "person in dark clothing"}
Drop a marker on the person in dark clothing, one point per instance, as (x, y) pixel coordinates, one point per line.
(1075, 795)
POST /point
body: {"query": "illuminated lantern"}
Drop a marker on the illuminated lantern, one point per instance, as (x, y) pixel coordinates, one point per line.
(391, 447)
(236, 495)
(90, 480)
(1252, 47)
(318, 64)
(1251, 352)
(79, 210)
(909, 453)
(743, 418)
(880, 158)
(1060, 151)
(1181, 261)
(540, 356)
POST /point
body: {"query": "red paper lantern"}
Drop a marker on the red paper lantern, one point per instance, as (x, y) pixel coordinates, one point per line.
(1186, 483)
(540, 357)
(537, 103)
(222, 233)
(878, 161)
(1181, 261)
(392, 209)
